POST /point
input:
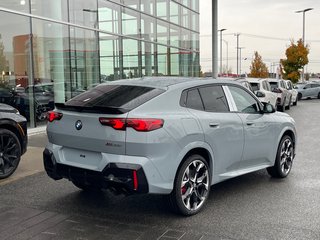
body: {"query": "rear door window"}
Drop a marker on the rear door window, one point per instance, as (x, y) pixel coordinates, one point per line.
(214, 99)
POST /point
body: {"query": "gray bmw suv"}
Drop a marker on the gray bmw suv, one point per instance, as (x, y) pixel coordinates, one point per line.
(174, 136)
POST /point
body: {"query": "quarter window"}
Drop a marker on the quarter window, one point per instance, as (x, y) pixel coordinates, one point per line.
(244, 101)
(194, 100)
(214, 99)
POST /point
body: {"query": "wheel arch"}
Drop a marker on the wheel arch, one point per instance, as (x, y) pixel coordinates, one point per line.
(291, 133)
(202, 150)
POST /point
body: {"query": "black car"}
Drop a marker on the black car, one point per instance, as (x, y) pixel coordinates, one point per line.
(13, 139)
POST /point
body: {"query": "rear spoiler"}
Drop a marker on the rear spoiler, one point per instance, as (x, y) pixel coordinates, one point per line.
(92, 109)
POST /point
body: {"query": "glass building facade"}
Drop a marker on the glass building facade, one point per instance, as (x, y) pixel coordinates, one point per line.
(52, 50)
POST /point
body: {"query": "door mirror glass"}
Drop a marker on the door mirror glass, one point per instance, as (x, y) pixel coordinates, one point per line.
(260, 94)
(268, 108)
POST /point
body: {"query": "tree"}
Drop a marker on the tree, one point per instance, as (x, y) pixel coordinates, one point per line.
(258, 68)
(4, 64)
(297, 58)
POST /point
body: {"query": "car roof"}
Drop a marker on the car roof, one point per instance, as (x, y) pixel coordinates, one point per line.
(166, 82)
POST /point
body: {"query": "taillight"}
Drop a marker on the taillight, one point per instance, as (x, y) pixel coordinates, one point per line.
(277, 90)
(52, 116)
(115, 123)
(138, 124)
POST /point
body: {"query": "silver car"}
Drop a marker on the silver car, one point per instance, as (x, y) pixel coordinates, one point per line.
(173, 136)
(308, 90)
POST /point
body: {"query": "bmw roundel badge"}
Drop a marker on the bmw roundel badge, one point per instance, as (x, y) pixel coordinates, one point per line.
(78, 125)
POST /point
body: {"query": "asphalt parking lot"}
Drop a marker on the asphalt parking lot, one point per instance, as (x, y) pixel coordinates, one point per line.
(253, 206)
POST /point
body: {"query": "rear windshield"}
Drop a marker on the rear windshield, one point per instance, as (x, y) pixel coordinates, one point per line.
(111, 98)
(273, 85)
(255, 86)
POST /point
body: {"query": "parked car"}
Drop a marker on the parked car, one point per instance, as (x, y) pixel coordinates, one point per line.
(308, 90)
(284, 96)
(13, 139)
(175, 136)
(262, 89)
(244, 82)
(294, 92)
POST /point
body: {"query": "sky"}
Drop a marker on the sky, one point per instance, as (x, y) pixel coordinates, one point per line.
(264, 26)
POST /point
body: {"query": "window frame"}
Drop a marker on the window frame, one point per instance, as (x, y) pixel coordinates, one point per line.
(234, 106)
(184, 96)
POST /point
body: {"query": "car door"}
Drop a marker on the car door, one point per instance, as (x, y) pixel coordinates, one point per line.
(307, 91)
(223, 130)
(315, 90)
(259, 129)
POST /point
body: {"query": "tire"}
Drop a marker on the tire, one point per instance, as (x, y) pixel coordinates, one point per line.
(288, 107)
(191, 187)
(283, 106)
(319, 95)
(299, 96)
(87, 187)
(10, 153)
(296, 102)
(284, 159)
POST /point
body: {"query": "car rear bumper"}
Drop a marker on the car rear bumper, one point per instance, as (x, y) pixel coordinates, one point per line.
(120, 177)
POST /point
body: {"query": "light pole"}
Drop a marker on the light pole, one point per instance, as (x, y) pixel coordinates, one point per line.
(221, 30)
(303, 32)
(227, 65)
(237, 35)
(239, 48)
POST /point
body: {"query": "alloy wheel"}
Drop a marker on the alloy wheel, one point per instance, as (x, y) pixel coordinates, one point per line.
(9, 153)
(286, 156)
(195, 185)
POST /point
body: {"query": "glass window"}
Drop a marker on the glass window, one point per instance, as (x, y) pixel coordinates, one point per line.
(114, 96)
(147, 6)
(109, 14)
(81, 12)
(268, 86)
(255, 86)
(273, 85)
(17, 5)
(57, 9)
(15, 64)
(244, 101)
(174, 12)
(131, 3)
(214, 99)
(130, 23)
(315, 85)
(194, 100)
(162, 9)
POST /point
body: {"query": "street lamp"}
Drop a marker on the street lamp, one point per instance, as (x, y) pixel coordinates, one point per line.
(237, 35)
(221, 30)
(240, 48)
(227, 65)
(303, 32)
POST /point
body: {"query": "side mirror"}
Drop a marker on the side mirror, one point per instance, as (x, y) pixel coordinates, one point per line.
(268, 108)
(260, 94)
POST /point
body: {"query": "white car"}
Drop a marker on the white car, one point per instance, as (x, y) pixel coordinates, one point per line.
(262, 89)
(294, 92)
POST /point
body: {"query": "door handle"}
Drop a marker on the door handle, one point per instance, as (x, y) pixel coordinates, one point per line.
(250, 123)
(214, 125)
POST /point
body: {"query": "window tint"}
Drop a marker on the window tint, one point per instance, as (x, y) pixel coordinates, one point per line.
(244, 101)
(255, 86)
(194, 100)
(307, 86)
(114, 96)
(273, 85)
(214, 99)
(315, 85)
